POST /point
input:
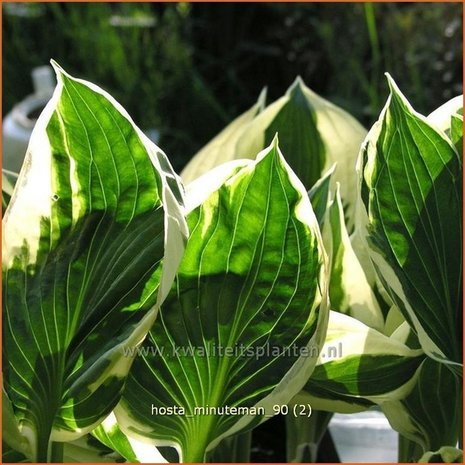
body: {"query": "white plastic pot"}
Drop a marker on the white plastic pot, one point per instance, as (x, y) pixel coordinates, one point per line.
(364, 437)
(18, 124)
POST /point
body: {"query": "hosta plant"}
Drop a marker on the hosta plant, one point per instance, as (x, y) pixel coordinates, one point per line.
(411, 176)
(140, 315)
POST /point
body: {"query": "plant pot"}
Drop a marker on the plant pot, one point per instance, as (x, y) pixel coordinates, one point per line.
(19, 123)
(364, 437)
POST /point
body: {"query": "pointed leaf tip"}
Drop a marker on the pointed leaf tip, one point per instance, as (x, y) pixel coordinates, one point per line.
(296, 87)
(396, 92)
(393, 87)
(298, 82)
(56, 67)
(275, 141)
(261, 101)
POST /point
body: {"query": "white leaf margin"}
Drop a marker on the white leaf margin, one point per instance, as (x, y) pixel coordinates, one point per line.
(428, 345)
(31, 201)
(295, 379)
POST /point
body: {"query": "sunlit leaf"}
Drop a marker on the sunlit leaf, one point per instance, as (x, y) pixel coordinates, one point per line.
(245, 319)
(91, 243)
(109, 433)
(449, 118)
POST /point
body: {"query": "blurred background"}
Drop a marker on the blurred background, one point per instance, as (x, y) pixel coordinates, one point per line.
(184, 70)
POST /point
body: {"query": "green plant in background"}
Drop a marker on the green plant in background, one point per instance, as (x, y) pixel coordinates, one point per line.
(95, 230)
(211, 59)
(116, 50)
(314, 134)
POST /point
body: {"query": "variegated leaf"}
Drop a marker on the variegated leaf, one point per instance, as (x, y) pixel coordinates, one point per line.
(249, 298)
(412, 190)
(319, 195)
(431, 414)
(91, 242)
(222, 148)
(359, 366)
(314, 134)
(349, 290)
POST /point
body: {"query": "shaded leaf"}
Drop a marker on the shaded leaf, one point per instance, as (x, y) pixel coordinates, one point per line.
(359, 366)
(314, 135)
(319, 195)
(411, 189)
(222, 148)
(349, 290)
(304, 434)
(431, 414)
(445, 454)
(294, 118)
(8, 184)
(10, 455)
